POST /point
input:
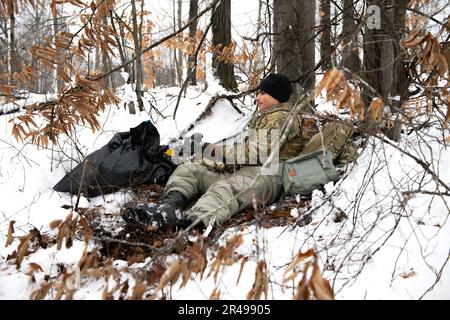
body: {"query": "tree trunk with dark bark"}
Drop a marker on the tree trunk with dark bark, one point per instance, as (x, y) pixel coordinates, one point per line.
(384, 58)
(137, 52)
(221, 29)
(13, 59)
(325, 35)
(294, 50)
(350, 55)
(191, 63)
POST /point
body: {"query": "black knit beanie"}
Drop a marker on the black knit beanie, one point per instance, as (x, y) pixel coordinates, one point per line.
(277, 85)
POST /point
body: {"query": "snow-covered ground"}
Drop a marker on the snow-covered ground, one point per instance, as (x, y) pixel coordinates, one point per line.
(390, 246)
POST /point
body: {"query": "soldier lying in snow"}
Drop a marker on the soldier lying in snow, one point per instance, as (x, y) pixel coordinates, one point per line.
(227, 179)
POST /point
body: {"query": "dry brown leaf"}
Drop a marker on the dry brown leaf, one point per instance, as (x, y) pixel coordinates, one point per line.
(41, 293)
(106, 295)
(170, 276)
(9, 238)
(447, 116)
(334, 77)
(22, 249)
(225, 255)
(63, 75)
(215, 295)
(434, 54)
(261, 284)
(442, 65)
(376, 109)
(124, 290)
(357, 105)
(55, 223)
(412, 40)
(408, 274)
(320, 286)
(35, 267)
(60, 236)
(298, 259)
(343, 100)
(138, 290)
(427, 51)
(243, 262)
(303, 289)
(186, 275)
(197, 258)
(323, 83)
(410, 37)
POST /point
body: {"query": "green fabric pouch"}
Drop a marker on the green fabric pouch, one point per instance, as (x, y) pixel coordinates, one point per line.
(304, 173)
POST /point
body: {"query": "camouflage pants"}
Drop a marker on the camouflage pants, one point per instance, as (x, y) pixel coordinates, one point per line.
(223, 194)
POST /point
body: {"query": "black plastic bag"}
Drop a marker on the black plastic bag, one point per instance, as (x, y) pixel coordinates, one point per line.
(129, 159)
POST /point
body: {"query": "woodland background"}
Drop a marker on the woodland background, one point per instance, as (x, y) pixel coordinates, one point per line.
(73, 69)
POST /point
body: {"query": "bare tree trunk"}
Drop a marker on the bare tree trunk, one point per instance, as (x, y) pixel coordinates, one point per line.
(4, 50)
(58, 80)
(120, 44)
(221, 29)
(259, 62)
(97, 59)
(191, 69)
(180, 54)
(294, 41)
(34, 61)
(137, 52)
(350, 55)
(106, 62)
(13, 59)
(325, 39)
(176, 14)
(384, 60)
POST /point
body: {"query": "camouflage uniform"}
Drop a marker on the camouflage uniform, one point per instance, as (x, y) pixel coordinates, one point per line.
(227, 189)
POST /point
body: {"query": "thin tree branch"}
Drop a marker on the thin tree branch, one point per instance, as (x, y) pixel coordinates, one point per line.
(194, 69)
(419, 13)
(157, 43)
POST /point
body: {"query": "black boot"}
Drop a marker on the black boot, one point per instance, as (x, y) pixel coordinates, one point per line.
(179, 201)
(159, 216)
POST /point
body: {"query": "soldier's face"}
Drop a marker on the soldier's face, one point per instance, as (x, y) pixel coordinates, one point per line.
(265, 101)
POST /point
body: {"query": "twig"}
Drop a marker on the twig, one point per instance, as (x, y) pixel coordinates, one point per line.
(189, 76)
(157, 43)
(20, 152)
(424, 165)
(419, 13)
(437, 278)
(138, 244)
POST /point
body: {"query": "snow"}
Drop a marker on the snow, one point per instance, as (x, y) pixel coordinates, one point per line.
(365, 256)
(390, 245)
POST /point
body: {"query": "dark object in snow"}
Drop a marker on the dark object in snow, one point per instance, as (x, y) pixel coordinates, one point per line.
(161, 215)
(158, 216)
(129, 159)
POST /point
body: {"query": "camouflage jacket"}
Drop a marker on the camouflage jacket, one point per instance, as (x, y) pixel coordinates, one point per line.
(253, 146)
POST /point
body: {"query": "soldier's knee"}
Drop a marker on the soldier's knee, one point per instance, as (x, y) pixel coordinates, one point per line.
(187, 168)
(222, 188)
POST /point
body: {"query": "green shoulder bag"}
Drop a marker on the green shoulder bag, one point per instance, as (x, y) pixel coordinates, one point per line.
(306, 172)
